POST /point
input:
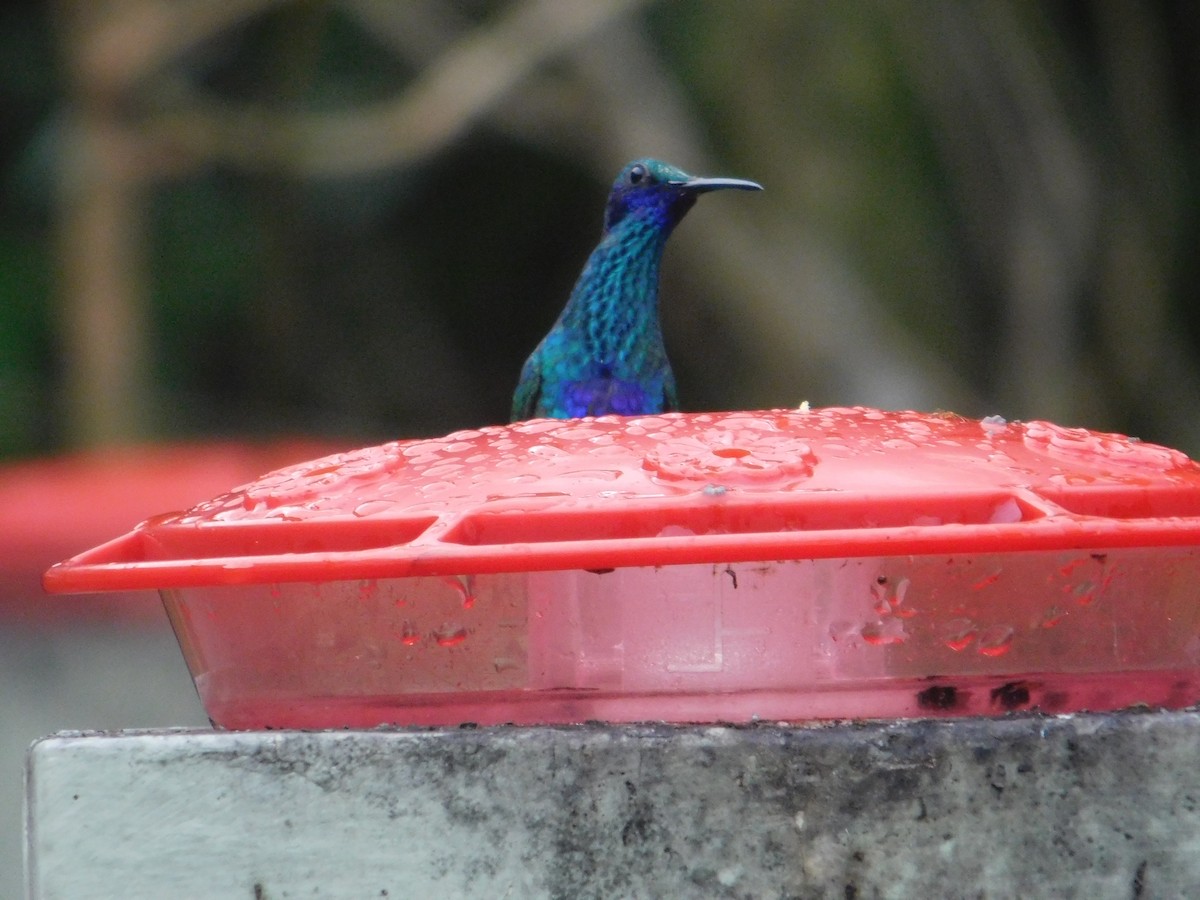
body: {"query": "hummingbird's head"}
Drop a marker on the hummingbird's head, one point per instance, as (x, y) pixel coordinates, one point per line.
(660, 193)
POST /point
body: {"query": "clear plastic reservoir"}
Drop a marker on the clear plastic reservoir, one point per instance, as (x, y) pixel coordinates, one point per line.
(788, 640)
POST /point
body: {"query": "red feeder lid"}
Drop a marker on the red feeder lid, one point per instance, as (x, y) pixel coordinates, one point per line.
(667, 489)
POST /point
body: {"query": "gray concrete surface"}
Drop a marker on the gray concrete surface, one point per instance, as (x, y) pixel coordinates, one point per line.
(94, 675)
(1095, 806)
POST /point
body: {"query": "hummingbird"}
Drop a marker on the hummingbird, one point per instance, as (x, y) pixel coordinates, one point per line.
(605, 354)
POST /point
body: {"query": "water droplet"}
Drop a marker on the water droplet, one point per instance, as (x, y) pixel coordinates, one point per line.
(1070, 567)
(1085, 593)
(959, 633)
(883, 633)
(1006, 513)
(291, 513)
(676, 531)
(1052, 617)
(594, 474)
(444, 470)
(896, 600)
(408, 634)
(371, 507)
(368, 589)
(879, 594)
(836, 451)
(450, 635)
(995, 640)
(986, 582)
(993, 425)
(465, 586)
(842, 630)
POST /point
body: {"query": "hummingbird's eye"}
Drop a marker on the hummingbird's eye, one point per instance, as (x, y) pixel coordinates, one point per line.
(637, 174)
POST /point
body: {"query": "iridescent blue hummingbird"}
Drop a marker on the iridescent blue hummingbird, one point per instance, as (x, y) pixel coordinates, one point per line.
(605, 353)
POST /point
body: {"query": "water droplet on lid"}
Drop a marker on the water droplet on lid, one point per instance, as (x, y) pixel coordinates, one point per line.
(291, 513)
(547, 451)
(371, 507)
(408, 634)
(444, 470)
(836, 451)
(576, 432)
(1006, 512)
(318, 471)
(595, 474)
(647, 422)
(676, 531)
(1098, 447)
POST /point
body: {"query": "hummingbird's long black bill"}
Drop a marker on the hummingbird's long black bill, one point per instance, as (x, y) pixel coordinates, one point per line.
(700, 185)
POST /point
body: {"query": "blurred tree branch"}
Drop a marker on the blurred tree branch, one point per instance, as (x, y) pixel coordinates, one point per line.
(115, 44)
(462, 84)
(111, 47)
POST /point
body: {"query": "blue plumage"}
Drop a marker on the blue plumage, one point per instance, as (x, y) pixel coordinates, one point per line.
(605, 353)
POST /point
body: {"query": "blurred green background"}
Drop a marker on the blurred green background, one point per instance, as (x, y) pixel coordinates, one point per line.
(356, 218)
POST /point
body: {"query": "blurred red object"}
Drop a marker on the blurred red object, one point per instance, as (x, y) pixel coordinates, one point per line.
(53, 508)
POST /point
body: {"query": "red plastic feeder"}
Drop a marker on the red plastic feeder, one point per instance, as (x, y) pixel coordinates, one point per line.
(52, 507)
(782, 565)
